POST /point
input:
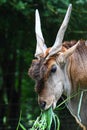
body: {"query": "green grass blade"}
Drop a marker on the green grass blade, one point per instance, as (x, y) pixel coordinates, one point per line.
(23, 128)
(49, 118)
(55, 124)
(58, 122)
(19, 120)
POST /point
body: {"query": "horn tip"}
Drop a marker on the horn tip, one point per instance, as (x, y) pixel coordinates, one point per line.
(70, 5)
(36, 11)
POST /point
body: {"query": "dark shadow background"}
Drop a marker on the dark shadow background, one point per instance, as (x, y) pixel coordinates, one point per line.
(17, 47)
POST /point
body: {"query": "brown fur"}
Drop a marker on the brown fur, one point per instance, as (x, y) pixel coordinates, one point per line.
(35, 69)
(78, 77)
(68, 44)
(37, 72)
(78, 67)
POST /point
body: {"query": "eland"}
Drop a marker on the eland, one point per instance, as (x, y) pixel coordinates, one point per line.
(61, 70)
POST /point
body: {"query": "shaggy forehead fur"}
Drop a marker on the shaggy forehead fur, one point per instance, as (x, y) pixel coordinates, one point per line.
(35, 69)
(39, 71)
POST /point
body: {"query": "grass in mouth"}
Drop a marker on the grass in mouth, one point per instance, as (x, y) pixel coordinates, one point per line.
(45, 121)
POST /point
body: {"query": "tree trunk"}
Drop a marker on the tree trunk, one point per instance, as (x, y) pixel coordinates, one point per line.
(10, 93)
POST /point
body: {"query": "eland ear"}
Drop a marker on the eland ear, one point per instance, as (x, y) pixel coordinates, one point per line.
(63, 56)
(58, 42)
(40, 47)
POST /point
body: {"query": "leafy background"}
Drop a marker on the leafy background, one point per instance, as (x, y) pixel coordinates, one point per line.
(17, 47)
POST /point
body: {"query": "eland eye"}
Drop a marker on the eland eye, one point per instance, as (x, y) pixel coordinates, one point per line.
(53, 69)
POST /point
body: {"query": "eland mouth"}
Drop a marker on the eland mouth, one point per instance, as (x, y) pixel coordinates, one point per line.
(44, 106)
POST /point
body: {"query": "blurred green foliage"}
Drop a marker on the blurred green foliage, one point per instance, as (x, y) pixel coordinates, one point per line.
(17, 47)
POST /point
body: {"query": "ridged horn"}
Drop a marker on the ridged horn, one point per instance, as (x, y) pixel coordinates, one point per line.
(40, 47)
(60, 35)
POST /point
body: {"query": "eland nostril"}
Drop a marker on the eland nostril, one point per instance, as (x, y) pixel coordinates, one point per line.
(42, 104)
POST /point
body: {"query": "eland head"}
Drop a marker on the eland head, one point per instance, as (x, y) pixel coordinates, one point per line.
(48, 68)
